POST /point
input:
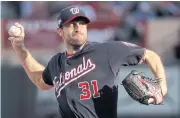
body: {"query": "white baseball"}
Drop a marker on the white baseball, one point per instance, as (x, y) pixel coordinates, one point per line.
(14, 31)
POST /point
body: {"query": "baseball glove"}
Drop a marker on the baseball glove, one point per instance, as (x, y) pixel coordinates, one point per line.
(142, 88)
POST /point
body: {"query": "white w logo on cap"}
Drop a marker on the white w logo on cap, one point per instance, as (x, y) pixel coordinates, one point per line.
(74, 10)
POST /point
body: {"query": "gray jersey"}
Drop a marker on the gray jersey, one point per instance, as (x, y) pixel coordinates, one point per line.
(85, 84)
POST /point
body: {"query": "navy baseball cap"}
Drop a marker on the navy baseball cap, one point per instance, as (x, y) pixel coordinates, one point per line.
(68, 14)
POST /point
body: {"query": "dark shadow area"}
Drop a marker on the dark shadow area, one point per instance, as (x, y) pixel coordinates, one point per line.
(149, 116)
(106, 105)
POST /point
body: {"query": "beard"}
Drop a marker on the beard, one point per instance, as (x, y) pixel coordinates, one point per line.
(76, 44)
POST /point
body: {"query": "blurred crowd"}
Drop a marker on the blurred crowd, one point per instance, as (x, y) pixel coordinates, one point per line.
(96, 10)
(131, 14)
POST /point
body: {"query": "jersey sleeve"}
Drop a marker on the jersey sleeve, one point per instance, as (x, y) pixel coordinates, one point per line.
(50, 70)
(124, 54)
(47, 76)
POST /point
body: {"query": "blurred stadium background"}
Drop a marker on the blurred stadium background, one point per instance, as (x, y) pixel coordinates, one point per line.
(154, 25)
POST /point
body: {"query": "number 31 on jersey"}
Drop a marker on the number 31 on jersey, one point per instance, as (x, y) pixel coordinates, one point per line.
(86, 89)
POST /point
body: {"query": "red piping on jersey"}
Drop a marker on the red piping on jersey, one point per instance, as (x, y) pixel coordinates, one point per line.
(70, 55)
(141, 60)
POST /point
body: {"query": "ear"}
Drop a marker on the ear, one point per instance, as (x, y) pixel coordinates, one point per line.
(60, 32)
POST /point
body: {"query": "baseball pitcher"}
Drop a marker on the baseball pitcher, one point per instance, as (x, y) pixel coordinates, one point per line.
(84, 76)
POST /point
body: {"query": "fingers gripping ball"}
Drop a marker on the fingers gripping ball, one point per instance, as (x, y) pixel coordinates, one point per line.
(14, 31)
